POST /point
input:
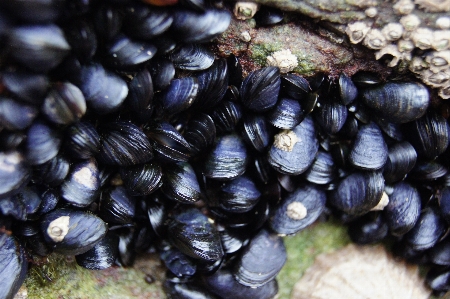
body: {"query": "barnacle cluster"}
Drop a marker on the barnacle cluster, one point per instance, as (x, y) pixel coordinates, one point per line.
(401, 38)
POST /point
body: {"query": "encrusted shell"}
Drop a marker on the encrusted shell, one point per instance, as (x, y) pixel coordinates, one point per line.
(357, 31)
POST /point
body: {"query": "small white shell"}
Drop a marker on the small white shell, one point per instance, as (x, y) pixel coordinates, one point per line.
(360, 272)
(245, 36)
(58, 228)
(410, 22)
(422, 38)
(357, 31)
(384, 201)
(403, 7)
(441, 40)
(284, 60)
(392, 31)
(245, 10)
(296, 210)
(371, 12)
(285, 140)
(375, 39)
(443, 22)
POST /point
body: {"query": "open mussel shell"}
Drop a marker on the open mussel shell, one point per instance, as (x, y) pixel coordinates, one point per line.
(189, 26)
(429, 135)
(124, 144)
(259, 90)
(192, 57)
(117, 206)
(227, 160)
(72, 232)
(103, 90)
(369, 151)
(142, 179)
(13, 266)
(358, 193)
(397, 102)
(180, 183)
(428, 230)
(401, 160)
(15, 115)
(298, 210)
(82, 140)
(286, 114)
(64, 104)
(323, 169)
(52, 172)
(293, 151)
(331, 116)
(223, 284)
(102, 255)
(403, 209)
(42, 144)
(236, 196)
(256, 132)
(226, 116)
(191, 232)
(14, 173)
(213, 84)
(144, 23)
(200, 133)
(82, 186)
(368, 229)
(347, 89)
(38, 47)
(179, 95)
(250, 270)
(168, 143)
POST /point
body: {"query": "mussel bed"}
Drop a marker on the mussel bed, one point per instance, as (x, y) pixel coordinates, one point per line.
(122, 133)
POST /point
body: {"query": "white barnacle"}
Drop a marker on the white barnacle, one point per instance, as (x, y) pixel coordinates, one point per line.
(410, 22)
(384, 201)
(436, 80)
(245, 10)
(405, 45)
(441, 40)
(422, 38)
(371, 12)
(417, 65)
(403, 7)
(390, 49)
(285, 140)
(284, 60)
(58, 228)
(438, 61)
(443, 22)
(357, 31)
(375, 39)
(296, 210)
(392, 31)
(434, 5)
(444, 91)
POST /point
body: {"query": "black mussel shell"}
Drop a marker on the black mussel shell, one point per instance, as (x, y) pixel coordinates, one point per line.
(366, 79)
(102, 255)
(50, 198)
(23, 205)
(266, 16)
(143, 22)
(429, 135)
(401, 160)
(26, 86)
(13, 266)
(232, 241)
(428, 230)
(117, 206)
(358, 193)
(250, 270)
(124, 53)
(162, 71)
(124, 144)
(165, 44)
(294, 150)
(226, 116)
(223, 284)
(103, 90)
(191, 232)
(177, 262)
(256, 132)
(390, 129)
(11, 140)
(179, 95)
(227, 160)
(259, 90)
(14, 173)
(298, 210)
(438, 279)
(213, 84)
(440, 253)
(168, 143)
(39, 47)
(403, 209)
(192, 57)
(294, 86)
(287, 114)
(32, 11)
(444, 203)
(107, 21)
(185, 289)
(189, 26)
(142, 179)
(347, 89)
(180, 183)
(323, 169)
(64, 104)
(398, 102)
(234, 70)
(200, 133)
(82, 140)
(82, 186)
(52, 172)
(140, 93)
(370, 228)
(15, 115)
(42, 143)
(369, 151)
(157, 215)
(331, 116)
(236, 196)
(72, 232)
(427, 171)
(82, 39)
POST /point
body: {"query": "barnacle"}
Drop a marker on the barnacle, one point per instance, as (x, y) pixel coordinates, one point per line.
(390, 49)
(403, 7)
(410, 22)
(443, 22)
(441, 40)
(392, 31)
(422, 38)
(374, 39)
(245, 10)
(283, 59)
(357, 31)
(434, 5)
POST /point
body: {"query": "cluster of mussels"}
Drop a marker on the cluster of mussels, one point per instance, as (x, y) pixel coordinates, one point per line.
(120, 132)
